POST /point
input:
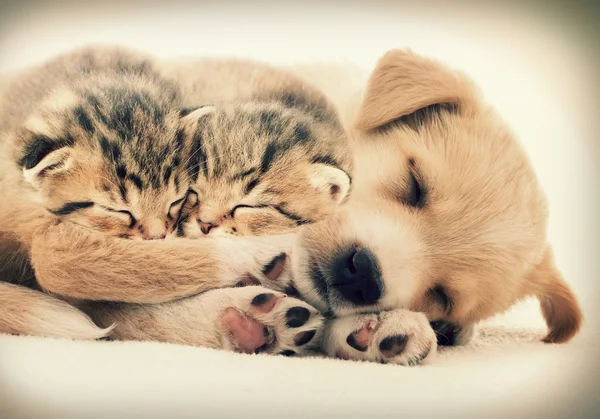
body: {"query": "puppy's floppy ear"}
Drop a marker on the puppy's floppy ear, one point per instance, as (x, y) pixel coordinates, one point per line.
(403, 83)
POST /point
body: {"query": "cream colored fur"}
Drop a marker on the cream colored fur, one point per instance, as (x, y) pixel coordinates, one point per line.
(482, 236)
(482, 233)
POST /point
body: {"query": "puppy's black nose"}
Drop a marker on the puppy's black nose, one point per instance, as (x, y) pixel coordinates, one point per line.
(357, 277)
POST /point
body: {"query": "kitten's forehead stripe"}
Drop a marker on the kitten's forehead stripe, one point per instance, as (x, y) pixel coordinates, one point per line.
(250, 186)
(121, 171)
(180, 140)
(167, 175)
(176, 181)
(216, 160)
(136, 180)
(110, 149)
(84, 120)
(197, 159)
(301, 133)
(242, 175)
(71, 207)
(268, 156)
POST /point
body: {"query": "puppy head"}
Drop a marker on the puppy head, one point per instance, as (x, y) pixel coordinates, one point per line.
(446, 215)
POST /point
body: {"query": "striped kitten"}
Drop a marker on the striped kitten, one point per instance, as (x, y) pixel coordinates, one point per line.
(256, 164)
(100, 145)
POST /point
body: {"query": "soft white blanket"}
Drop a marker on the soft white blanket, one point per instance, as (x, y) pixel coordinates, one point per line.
(535, 69)
(505, 372)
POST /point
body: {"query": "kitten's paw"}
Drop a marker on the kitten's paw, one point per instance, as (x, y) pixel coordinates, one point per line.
(398, 336)
(259, 320)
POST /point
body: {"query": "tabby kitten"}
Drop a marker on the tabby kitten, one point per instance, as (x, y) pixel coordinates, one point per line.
(263, 168)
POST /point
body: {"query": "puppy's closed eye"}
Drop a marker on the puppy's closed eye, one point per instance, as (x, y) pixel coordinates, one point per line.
(415, 194)
(439, 295)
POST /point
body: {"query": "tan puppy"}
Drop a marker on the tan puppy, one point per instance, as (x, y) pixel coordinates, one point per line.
(445, 217)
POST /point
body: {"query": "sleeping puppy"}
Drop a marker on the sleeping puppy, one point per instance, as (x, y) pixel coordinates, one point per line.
(445, 218)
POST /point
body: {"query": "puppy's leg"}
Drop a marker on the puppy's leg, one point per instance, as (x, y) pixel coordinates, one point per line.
(73, 262)
(250, 319)
(398, 336)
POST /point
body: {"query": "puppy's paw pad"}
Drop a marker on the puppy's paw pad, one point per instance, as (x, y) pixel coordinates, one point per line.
(361, 339)
(392, 346)
(247, 333)
(296, 317)
(265, 302)
(266, 321)
(397, 336)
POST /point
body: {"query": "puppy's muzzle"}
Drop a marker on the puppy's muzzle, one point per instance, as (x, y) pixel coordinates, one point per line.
(357, 276)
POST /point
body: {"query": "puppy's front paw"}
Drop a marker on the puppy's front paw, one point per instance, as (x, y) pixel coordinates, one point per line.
(258, 320)
(398, 336)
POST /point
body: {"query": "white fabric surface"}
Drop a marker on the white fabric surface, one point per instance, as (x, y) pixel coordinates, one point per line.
(533, 65)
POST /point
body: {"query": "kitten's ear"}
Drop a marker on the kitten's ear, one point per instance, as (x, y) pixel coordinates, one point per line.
(48, 165)
(190, 116)
(330, 180)
(403, 83)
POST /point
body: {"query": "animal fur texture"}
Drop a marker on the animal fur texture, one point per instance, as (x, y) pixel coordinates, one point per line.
(445, 212)
(104, 145)
(447, 205)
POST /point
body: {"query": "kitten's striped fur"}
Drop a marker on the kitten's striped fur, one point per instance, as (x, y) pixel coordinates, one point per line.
(103, 143)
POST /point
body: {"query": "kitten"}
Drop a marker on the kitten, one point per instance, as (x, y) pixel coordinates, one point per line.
(99, 145)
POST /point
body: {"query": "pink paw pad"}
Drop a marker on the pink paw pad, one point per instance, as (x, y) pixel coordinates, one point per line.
(247, 333)
(361, 339)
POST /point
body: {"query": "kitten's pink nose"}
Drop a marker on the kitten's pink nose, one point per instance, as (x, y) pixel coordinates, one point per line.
(205, 227)
(153, 230)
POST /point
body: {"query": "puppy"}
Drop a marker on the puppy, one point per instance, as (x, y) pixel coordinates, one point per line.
(445, 218)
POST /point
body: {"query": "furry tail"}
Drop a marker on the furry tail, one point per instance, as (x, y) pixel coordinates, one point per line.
(27, 312)
(558, 303)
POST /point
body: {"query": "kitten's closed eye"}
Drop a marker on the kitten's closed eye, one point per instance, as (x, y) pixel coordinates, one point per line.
(124, 215)
(260, 220)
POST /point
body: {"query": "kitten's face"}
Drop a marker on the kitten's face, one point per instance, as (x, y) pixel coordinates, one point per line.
(264, 169)
(107, 156)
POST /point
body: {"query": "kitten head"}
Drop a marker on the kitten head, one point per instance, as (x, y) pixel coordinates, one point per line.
(106, 153)
(264, 168)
